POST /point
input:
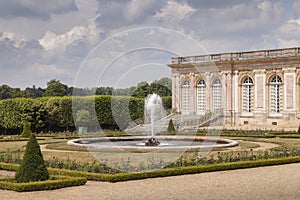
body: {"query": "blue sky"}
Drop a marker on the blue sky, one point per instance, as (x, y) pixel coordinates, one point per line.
(42, 40)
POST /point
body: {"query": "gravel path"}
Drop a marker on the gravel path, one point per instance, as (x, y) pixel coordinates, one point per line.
(275, 182)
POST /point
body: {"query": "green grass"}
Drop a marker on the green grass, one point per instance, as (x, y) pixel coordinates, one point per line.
(248, 145)
(65, 147)
(19, 146)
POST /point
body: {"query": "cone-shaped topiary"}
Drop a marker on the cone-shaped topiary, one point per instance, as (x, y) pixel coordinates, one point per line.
(33, 167)
(171, 127)
(26, 130)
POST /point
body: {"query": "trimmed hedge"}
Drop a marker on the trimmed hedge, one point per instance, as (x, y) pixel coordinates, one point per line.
(56, 113)
(9, 167)
(168, 171)
(26, 130)
(33, 167)
(171, 127)
(56, 183)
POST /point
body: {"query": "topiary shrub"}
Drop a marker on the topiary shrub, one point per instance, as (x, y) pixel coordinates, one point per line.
(33, 167)
(171, 127)
(26, 130)
(298, 130)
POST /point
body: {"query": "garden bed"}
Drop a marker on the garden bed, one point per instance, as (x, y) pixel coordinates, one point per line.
(174, 171)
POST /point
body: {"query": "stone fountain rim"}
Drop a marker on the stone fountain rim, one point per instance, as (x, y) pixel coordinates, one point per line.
(226, 143)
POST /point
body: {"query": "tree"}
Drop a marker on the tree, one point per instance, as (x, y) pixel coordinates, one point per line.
(55, 88)
(5, 92)
(162, 87)
(66, 109)
(33, 167)
(33, 92)
(104, 91)
(171, 127)
(142, 90)
(299, 129)
(54, 111)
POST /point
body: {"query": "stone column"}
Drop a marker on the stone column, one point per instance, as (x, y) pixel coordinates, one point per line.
(224, 91)
(178, 96)
(192, 93)
(174, 85)
(235, 97)
(289, 90)
(208, 91)
(227, 80)
(260, 96)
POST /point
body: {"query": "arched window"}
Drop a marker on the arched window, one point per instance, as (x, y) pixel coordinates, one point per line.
(275, 94)
(201, 97)
(247, 95)
(217, 94)
(185, 97)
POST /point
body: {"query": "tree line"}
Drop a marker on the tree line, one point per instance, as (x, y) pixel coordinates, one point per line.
(54, 87)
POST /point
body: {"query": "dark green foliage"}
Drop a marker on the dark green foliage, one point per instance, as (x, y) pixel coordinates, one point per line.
(171, 127)
(161, 87)
(26, 133)
(142, 90)
(55, 88)
(56, 113)
(55, 183)
(298, 130)
(32, 167)
(10, 116)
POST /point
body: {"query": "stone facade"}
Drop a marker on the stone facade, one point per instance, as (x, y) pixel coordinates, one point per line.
(254, 90)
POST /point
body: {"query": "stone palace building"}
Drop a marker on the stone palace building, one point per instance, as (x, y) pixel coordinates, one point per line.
(253, 90)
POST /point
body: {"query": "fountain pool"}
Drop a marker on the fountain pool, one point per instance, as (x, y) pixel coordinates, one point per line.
(166, 143)
(154, 112)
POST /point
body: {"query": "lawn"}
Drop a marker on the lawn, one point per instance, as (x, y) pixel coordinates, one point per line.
(54, 149)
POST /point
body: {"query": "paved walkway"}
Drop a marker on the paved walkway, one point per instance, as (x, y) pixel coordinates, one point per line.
(275, 182)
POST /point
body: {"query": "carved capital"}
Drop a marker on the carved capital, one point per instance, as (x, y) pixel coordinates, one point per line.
(289, 70)
(259, 71)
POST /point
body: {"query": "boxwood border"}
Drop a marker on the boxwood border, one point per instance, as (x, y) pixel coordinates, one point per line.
(165, 172)
(60, 182)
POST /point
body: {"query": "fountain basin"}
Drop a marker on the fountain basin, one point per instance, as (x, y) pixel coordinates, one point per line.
(180, 143)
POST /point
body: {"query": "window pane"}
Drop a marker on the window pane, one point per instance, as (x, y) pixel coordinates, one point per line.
(201, 97)
(247, 95)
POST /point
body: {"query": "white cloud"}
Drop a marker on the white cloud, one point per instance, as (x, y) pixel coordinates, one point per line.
(52, 41)
(174, 12)
(16, 40)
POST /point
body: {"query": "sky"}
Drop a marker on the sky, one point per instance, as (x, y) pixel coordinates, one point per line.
(119, 43)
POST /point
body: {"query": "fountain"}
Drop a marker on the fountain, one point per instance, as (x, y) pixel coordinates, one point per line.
(153, 112)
